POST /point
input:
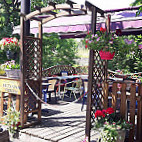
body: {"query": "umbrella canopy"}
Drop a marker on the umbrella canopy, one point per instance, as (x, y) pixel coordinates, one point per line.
(124, 19)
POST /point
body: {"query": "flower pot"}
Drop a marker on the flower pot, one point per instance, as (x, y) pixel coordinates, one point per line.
(121, 136)
(13, 73)
(4, 136)
(106, 55)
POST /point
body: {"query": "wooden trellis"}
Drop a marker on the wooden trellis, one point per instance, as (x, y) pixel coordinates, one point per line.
(31, 55)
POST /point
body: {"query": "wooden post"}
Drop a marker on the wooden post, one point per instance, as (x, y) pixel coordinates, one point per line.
(91, 60)
(22, 85)
(9, 100)
(123, 101)
(105, 97)
(114, 95)
(1, 105)
(17, 102)
(132, 111)
(40, 80)
(139, 115)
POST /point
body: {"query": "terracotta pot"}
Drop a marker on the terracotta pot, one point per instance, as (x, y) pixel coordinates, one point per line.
(106, 55)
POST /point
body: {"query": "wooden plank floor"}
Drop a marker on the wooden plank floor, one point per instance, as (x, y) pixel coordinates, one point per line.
(61, 122)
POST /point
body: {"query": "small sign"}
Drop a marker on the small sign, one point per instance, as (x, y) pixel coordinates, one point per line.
(10, 86)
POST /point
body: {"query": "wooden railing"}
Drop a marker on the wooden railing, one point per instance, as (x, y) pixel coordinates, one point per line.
(128, 111)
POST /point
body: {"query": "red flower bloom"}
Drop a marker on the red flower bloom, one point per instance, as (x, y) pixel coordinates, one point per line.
(118, 32)
(86, 46)
(88, 32)
(103, 29)
(86, 41)
(98, 113)
(110, 110)
(18, 124)
(104, 111)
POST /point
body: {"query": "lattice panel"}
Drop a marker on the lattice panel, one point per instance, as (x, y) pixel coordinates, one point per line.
(32, 70)
(30, 101)
(98, 80)
(32, 58)
(55, 70)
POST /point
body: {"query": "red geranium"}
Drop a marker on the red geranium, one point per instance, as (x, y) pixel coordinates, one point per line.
(104, 111)
(103, 30)
(109, 110)
(98, 113)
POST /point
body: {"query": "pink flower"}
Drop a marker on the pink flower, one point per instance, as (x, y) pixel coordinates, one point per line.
(140, 46)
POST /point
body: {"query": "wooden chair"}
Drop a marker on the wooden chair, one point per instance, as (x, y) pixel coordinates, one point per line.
(76, 87)
(50, 88)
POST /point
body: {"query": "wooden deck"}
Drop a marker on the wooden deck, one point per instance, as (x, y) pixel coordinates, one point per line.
(61, 122)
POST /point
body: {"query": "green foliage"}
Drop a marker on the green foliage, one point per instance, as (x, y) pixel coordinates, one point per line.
(9, 16)
(129, 62)
(12, 120)
(43, 3)
(3, 57)
(58, 51)
(137, 3)
(109, 123)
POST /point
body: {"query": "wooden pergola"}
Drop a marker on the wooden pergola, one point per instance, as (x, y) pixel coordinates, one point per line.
(31, 62)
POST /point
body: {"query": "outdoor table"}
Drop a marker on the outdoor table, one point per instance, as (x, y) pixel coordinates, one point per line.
(60, 78)
(9, 86)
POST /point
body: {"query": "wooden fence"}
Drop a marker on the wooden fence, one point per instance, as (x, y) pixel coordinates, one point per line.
(129, 104)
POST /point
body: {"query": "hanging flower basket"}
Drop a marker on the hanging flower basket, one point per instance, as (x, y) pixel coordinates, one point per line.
(106, 55)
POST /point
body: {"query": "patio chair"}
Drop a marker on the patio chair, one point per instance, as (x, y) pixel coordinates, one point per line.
(85, 92)
(50, 88)
(64, 73)
(76, 87)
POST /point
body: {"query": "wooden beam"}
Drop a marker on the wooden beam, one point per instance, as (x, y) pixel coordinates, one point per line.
(50, 8)
(70, 2)
(45, 20)
(36, 18)
(90, 5)
(52, 4)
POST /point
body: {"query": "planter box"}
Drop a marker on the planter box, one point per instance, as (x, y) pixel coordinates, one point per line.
(4, 136)
(13, 73)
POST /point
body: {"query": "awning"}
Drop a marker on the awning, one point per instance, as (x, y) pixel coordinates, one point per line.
(79, 25)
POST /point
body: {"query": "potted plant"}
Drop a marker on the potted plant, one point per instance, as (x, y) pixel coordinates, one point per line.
(110, 126)
(2, 69)
(12, 69)
(12, 121)
(109, 44)
(10, 46)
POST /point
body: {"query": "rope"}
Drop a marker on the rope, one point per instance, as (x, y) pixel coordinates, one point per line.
(37, 97)
(79, 98)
